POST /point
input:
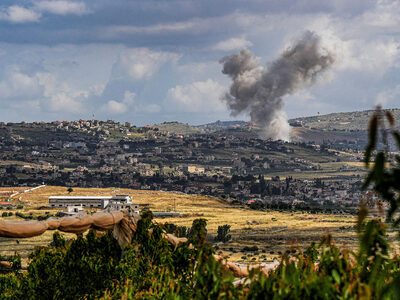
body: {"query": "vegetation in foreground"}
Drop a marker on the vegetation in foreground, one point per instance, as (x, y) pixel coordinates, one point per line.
(150, 267)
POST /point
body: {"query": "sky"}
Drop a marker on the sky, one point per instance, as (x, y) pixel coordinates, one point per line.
(151, 61)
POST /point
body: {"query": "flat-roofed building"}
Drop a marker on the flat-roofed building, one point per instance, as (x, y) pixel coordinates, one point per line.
(117, 205)
(87, 201)
(194, 169)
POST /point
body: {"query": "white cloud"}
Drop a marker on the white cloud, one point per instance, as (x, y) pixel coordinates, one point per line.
(19, 14)
(62, 7)
(61, 102)
(385, 15)
(141, 63)
(97, 89)
(152, 29)
(233, 44)
(352, 52)
(16, 84)
(129, 97)
(149, 108)
(237, 21)
(32, 106)
(114, 107)
(200, 96)
(40, 89)
(386, 97)
(59, 96)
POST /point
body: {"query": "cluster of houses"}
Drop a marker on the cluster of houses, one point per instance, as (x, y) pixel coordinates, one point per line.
(302, 193)
(92, 153)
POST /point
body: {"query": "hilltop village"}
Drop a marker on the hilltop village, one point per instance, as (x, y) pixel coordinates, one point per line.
(232, 162)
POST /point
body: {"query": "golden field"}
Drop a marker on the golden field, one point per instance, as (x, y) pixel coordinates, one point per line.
(272, 232)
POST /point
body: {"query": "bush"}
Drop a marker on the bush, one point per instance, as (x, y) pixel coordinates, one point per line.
(23, 216)
(251, 249)
(223, 234)
(151, 268)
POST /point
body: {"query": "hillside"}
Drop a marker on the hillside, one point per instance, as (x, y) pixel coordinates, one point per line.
(177, 128)
(344, 121)
(350, 127)
(221, 125)
(41, 134)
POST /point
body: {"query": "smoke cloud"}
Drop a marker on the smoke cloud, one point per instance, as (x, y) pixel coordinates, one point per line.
(259, 90)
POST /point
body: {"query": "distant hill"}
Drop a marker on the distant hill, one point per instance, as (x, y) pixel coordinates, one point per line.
(346, 126)
(345, 121)
(186, 129)
(219, 125)
(177, 128)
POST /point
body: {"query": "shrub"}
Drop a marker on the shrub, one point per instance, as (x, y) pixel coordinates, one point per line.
(223, 233)
(251, 249)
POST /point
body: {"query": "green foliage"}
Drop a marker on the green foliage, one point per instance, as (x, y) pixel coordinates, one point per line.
(8, 284)
(312, 253)
(91, 267)
(178, 231)
(252, 248)
(340, 274)
(151, 268)
(223, 233)
(198, 232)
(211, 282)
(72, 270)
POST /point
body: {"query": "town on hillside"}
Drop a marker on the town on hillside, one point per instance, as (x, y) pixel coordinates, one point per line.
(223, 159)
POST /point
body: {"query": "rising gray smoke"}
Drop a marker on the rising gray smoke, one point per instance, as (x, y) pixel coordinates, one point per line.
(259, 90)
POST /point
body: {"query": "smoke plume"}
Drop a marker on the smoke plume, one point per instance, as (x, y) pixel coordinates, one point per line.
(259, 91)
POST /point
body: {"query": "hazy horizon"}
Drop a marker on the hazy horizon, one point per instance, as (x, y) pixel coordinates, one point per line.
(171, 121)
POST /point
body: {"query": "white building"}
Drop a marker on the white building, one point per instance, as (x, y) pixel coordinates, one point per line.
(87, 201)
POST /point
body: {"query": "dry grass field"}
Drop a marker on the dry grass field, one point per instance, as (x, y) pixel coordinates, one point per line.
(272, 232)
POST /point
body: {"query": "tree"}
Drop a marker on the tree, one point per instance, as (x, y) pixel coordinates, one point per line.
(223, 233)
